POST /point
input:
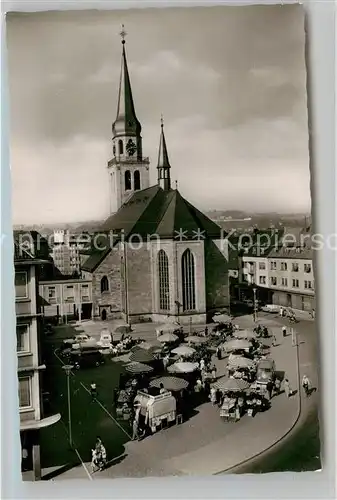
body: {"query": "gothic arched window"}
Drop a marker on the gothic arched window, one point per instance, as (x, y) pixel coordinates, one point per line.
(127, 180)
(104, 284)
(164, 285)
(120, 147)
(188, 280)
(136, 180)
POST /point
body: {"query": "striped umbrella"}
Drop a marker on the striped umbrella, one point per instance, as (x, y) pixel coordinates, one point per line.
(240, 362)
(183, 367)
(167, 337)
(231, 384)
(244, 334)
(170, 383)
(135, 367)
(194, 339)
(183, 350)
(142, 356)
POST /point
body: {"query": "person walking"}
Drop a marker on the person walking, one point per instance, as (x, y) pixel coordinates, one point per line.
(274, 340)
(218, 353)
(284, 331)
(306, 385)
(213, 396)
(214, 370)
(135, 431)
(93, 391)
(202, 364)
(287, 388)
(270, 387)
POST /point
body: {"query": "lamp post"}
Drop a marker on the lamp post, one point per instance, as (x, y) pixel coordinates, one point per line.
(67, 369)
(255, 303)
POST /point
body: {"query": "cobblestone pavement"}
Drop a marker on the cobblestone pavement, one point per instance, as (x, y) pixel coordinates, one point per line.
(205, 445)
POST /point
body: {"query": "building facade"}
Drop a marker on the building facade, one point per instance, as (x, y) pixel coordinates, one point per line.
(30, 366)
(63, 298)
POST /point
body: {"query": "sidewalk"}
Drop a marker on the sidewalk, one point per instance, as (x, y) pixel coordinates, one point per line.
(205, 445)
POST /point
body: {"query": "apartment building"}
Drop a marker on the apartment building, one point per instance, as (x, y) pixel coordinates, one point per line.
(30, 366)
(291, 278)
(63, 298)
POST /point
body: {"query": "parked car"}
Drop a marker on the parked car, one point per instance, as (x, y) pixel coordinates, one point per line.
(271, 308)
(105, 340)
(86, 357)
(79, 339)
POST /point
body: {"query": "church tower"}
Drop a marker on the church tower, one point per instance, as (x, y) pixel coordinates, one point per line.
(128, 169)
(163, 166)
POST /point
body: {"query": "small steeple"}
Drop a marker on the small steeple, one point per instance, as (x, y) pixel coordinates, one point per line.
(164, 178)
(126, 122)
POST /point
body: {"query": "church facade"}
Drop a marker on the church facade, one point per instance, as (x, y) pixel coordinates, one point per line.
(156, 257)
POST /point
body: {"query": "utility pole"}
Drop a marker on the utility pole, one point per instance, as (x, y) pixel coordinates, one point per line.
(255, 304)
(67, 369)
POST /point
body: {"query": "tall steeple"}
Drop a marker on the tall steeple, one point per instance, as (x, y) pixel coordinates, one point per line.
(163, 167)
(126, 122)
(128, 170)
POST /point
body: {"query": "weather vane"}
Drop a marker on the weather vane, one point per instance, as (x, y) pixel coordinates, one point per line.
(123, 33)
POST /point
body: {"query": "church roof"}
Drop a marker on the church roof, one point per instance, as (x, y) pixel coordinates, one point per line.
(153, 211)
(164, 213)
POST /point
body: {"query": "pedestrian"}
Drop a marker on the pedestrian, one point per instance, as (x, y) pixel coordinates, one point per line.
(135, 430)
(218, 353)
(284, 331)
(270, 387)
(213, 396)
(274, 341)
(306, 385)
(214, 372)
(281, 312)
(287, 388)
(202, 364)
(93, 391)
(165, 361)
(277, 386)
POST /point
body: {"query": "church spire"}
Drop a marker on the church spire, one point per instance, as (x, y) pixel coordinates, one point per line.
(126, 122)
(164, 177)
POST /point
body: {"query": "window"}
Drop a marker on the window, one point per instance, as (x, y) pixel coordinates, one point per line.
(307, 268)
(69, 293)
(273, 281)
(284, 281)
(136, 180)
(188, 281)
(104, 284)
(51, 294)
(262, 265)
(22, 338)
(127, 180)
(21, 285)
(296, 284)
(25, 392)
(164, 285)
(284, 266)
(308, 285)
(120, 147)
(295, 267)
(273, 266)
(262, 280)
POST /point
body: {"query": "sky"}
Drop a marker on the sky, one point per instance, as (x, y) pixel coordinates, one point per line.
(229, 81)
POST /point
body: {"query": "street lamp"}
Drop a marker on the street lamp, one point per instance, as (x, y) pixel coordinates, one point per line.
(255, 304)
(67, 369)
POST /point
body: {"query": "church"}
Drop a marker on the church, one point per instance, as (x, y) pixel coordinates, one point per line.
(157, 257)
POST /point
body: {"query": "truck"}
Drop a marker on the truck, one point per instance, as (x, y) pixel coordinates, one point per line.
(157, 410)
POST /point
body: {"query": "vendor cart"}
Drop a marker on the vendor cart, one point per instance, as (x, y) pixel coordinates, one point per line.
(227, 410)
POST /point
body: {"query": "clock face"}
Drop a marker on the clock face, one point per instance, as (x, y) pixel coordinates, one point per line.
(131, 147)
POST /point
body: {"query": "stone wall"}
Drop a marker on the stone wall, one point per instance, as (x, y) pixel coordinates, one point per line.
(216, 270)
(110, 300)
(139, 283)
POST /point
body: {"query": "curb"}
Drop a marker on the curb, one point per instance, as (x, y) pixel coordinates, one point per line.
(278, 441)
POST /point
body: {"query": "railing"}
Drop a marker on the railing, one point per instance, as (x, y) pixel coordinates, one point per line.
(129, 159)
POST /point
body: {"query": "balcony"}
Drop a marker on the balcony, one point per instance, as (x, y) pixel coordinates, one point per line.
(132, 160)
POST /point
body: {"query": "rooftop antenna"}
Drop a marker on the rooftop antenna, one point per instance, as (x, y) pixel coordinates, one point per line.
(123, 34)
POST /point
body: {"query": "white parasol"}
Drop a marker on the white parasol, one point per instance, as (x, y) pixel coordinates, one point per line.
(168, 337)
(183, 367)
(183, 350)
